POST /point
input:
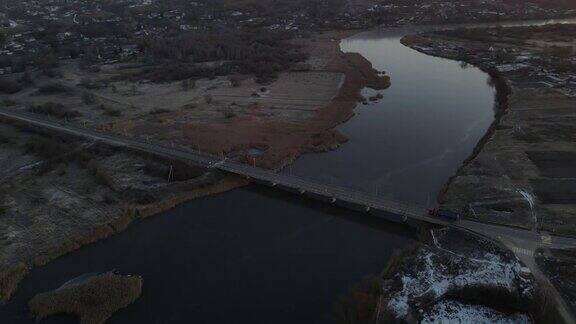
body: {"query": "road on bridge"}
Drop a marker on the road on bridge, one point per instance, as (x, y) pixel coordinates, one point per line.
(524, 243)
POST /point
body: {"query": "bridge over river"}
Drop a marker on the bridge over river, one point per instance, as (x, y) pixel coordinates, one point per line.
(525, 244)
(525, 241)
(347, 198)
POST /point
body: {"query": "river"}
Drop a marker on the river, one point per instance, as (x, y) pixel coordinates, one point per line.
(253, 255)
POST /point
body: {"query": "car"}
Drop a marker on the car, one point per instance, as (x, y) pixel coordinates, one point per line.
(444, 213)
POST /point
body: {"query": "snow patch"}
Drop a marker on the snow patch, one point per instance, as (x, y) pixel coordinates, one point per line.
(435, 271)
(454, 312)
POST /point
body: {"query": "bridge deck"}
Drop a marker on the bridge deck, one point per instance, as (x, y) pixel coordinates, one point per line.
(271, 178)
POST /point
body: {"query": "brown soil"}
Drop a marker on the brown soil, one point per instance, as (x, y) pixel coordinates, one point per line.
(15, 270)
(520, 172)
(93, 301)
(65, 202)
(282, 141)
(9, 279)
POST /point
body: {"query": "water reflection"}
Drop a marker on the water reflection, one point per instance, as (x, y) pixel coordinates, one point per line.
(246, 256)
(406, 145)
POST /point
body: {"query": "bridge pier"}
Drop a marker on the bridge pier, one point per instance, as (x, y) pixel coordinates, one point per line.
(387, 216)
(318, 196)
(288, 188)
(349, 200)
(351, 205)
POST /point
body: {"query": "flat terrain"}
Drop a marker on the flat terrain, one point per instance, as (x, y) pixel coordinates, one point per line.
(59, 193)
(92, 299)
(558, 265)
(455, 275)
(523, 172)
(232, 115)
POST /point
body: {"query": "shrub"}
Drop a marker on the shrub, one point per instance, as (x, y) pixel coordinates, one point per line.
(54, 109)
(99, 173)
(89, 84)
(9, 102)
(52, 88)
(157, 111)
(208, 98)
(188, 84)
(229, 113)
(9, 87)
(88, 98)
(94, 301)
(111, 111)
(26, 79)
(235, 81)
(47, 148)
(360, 304)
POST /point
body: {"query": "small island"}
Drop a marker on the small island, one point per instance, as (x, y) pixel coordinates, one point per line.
(93, 300)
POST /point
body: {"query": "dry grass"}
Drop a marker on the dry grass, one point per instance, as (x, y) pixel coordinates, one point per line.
(359, 306)
(9, 280)
(94, 301)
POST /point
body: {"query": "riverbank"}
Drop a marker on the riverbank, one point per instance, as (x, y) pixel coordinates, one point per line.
(93, 300)
(269, 123)
(455, 275)
(272, 125)
(88, 193)
(519, 174)
(60, 194)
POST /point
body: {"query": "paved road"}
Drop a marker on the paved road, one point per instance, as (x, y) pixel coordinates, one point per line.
(524, 243)
(361, 199)
(522, 238)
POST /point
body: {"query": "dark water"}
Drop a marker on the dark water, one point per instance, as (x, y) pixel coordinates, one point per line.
(409, 143)
(257, 256)
(246, 256)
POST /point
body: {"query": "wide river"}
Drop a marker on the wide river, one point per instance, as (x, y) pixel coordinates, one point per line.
(257, 256)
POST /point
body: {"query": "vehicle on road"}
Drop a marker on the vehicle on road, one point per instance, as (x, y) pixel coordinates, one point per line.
(444, 213)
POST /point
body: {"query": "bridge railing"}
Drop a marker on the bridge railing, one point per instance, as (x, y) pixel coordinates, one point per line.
(206, 159)
(329, 190)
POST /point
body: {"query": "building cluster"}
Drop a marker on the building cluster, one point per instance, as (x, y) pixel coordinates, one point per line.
(524, 66)
(441, 11)
(111, 30)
